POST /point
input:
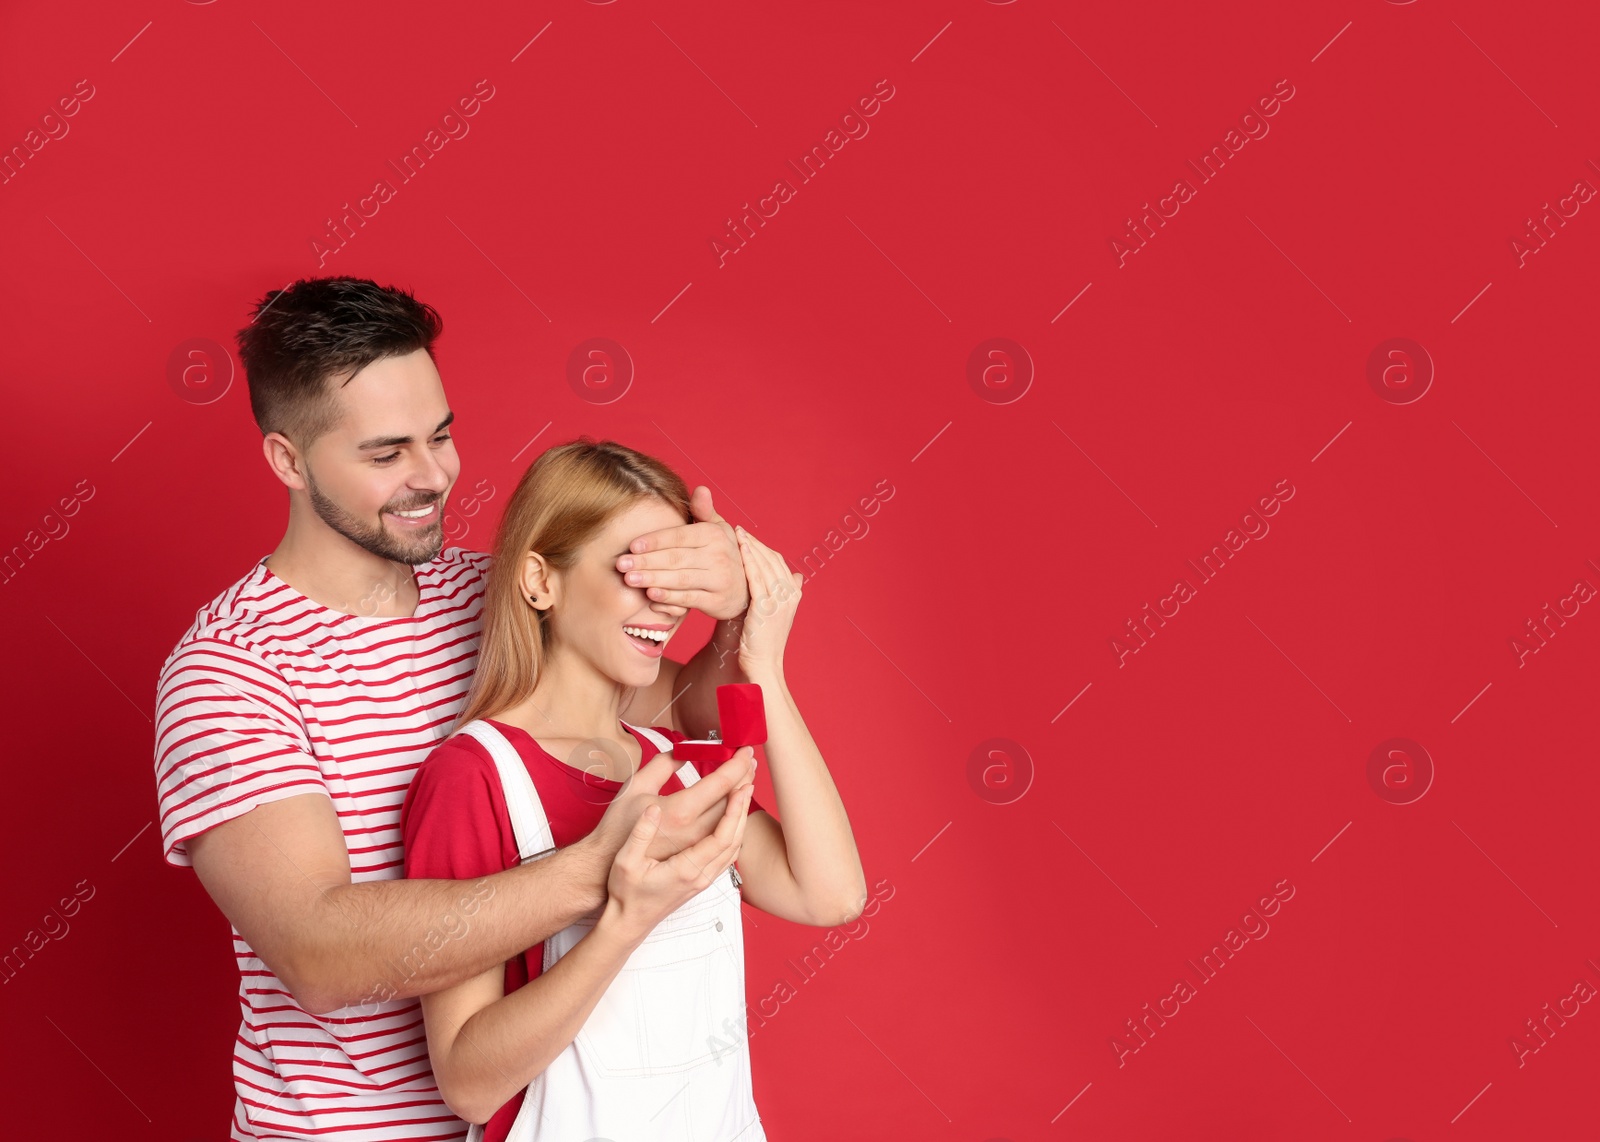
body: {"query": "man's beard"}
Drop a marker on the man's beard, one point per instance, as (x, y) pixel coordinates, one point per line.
(422, 547)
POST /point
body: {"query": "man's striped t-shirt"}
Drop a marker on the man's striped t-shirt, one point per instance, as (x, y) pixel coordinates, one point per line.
(271, 695)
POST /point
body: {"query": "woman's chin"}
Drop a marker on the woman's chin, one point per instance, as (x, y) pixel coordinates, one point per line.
(638, 674)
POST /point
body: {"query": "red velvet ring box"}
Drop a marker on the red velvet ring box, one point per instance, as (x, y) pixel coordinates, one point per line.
(743, 718)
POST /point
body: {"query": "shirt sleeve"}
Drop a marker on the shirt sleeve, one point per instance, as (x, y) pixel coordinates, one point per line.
(705, 768)
(453, 824)
(228, 737)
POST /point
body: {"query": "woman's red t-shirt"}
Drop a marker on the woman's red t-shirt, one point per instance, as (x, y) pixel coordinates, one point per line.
(455, 826)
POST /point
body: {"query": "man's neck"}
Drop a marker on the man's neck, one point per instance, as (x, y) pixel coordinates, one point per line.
(330, 570)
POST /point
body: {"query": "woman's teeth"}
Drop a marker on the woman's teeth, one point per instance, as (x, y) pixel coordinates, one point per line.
(652, 635)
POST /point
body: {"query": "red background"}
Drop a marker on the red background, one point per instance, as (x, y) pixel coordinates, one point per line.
(831, 353)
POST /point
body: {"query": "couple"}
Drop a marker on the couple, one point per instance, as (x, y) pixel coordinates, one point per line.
(569, 914)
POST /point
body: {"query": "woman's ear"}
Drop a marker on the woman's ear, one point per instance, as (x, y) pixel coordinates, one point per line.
(536, 582)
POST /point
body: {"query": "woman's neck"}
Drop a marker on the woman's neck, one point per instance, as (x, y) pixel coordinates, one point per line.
(571, 700)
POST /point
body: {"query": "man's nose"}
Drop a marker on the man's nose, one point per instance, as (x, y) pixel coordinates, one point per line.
(430, 474)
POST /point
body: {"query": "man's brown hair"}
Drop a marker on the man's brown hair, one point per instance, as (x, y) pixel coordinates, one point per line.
(317, 330)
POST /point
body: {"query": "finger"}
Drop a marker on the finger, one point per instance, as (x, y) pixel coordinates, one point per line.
(737, 846)
(665, 559)
(679, 535)
(760, 571)
(713, 851)
(748, 792)
(786, 583)
(760, 553)
(716, 785)
(673, 577)
(697, 600)
(780, 568)
(700, 505)
(768, 560)
(750, 556)
(644, 831)
(738, 816)
(734, 817)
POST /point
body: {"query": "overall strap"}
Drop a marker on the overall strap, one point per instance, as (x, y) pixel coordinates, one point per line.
(529, 824)
(687, 774)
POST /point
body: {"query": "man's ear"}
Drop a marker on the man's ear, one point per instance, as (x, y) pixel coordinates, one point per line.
(284, 459)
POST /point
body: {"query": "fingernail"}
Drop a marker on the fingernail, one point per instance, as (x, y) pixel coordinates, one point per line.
(625, 563)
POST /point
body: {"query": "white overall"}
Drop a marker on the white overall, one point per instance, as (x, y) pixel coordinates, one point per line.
(664, 1055)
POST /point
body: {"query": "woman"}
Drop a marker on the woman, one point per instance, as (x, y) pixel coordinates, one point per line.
(630, 1023)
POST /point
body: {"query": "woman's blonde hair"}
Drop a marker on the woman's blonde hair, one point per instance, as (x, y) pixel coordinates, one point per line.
(562, 501)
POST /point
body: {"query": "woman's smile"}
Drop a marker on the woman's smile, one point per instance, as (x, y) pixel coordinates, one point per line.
(649, 647)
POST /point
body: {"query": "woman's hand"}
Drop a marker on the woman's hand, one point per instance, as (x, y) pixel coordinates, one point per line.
(644, 891)
(774, 598)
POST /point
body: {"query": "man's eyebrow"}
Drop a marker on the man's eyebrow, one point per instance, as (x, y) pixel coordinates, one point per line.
(396, 441)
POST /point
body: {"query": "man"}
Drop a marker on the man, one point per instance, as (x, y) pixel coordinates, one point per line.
(292, 715)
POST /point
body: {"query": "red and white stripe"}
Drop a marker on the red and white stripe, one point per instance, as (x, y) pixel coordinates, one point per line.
(271, 695)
